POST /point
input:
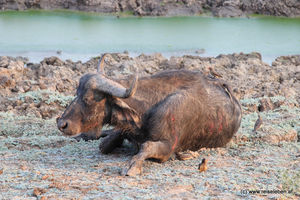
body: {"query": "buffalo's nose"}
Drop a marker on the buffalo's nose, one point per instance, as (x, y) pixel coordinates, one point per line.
(62, 125)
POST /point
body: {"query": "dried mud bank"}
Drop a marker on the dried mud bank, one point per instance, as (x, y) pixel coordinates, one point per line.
(220, 8)
(36, 161)
(44, 89)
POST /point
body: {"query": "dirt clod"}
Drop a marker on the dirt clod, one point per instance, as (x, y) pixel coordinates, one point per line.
(45, 177)
(38, 191)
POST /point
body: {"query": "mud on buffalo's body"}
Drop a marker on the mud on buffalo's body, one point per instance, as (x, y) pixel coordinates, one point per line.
(190, 111)
(194, 117)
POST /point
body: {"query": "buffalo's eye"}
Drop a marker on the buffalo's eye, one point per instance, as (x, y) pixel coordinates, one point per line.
(87, 100)
(98, 96)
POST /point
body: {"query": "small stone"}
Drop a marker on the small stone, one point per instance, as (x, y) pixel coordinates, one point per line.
(23, 167)
(26, 88)
(45, 177)
(297, 76)
(17, 66)
(15, 89)
(5, 81)
(4, 61)
(38, 191)
(148, 70)
(200, 51)
(17, 103)
(55, 61)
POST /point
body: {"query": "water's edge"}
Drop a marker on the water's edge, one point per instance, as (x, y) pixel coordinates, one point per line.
(37, 57)
(79, 35)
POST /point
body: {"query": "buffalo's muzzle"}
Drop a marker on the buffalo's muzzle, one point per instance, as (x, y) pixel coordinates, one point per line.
(62, 125)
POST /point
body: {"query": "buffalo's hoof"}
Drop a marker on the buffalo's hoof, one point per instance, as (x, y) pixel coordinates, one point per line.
(106, 148)
(187, 155)
(110, 142)
(132, 171)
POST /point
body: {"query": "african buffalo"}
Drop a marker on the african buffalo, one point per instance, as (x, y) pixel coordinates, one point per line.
(166, 113)
(101, 101)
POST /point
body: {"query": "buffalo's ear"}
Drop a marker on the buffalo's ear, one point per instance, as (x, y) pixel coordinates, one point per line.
(124, 115)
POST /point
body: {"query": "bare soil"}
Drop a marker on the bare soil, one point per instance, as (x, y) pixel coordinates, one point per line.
(38, 162)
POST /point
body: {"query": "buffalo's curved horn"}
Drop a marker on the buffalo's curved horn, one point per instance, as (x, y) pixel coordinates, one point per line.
(100, 68)
(113, 88)
(131, 91)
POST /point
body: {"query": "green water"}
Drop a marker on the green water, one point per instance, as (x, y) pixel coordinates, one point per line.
(79, 35)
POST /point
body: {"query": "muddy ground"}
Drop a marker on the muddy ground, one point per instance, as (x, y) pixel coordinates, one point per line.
(38, 162)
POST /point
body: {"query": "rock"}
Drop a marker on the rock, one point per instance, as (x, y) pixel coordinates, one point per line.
(17, 103)
(9, 108)
(18, 88)
(6, 81)
(287, 60)
(289, 8)
(228, 11)
(45, 177)
(33, 111)
(38, 191)
(289, 136)
(23, 167)
(53, 61)
(17, 66)
(26, 88)
(266, 104)
(4, 61)
(297, 75)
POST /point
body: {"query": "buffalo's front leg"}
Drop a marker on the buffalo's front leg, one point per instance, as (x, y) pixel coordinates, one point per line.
(106, 133)
(157, 150)
(111, 141)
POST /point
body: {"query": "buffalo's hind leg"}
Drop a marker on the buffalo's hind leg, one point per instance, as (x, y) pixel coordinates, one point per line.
(150, 149)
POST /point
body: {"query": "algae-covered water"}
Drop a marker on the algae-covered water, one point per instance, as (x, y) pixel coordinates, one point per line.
(37, 34)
